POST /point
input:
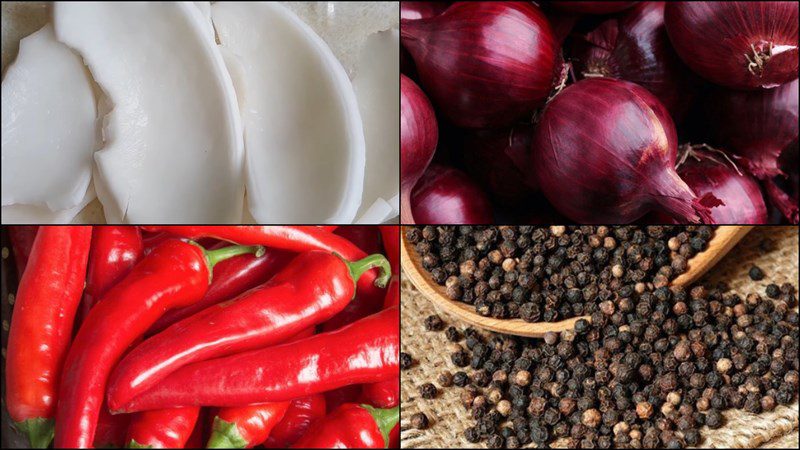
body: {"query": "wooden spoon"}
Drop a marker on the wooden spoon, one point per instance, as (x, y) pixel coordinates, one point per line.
(725, 238)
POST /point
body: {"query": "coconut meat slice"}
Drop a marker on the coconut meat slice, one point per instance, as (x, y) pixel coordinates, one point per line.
(303, 131)
(173, 140)
(377, 86)
(27, 214)
(48, 127)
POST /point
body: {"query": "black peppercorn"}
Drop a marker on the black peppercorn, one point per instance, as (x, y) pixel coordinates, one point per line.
(419, 421)
(714, 419)
(434, 323)
(756, 274)
(406, 361)
(428, 391)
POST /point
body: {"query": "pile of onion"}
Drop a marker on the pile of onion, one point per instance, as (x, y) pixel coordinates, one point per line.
(484, 64)
(593, 7)
(740, 45)
(418, 137)
(635, 47)
(445, 195)
(604, 152)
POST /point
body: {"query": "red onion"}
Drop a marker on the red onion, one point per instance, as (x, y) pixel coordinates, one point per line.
(418, 137)
(635, 47)
(755, 125)
(740, 194)
(604, 152)
(740, 45)
(484, 64)
(496, 160)
(593, 7)
(447, 196)
(421, 10)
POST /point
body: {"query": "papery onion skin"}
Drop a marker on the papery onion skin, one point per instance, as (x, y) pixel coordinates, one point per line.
(418, 137)
(445, 195)
(593, 7)
(740, 193)
(635, 47)
(421, 10)
(484, 64)
(755, 125)
(725, 42)
(604, 152)
(490, 158)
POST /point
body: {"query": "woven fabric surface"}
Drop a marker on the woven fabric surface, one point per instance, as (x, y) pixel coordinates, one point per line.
(773, 249)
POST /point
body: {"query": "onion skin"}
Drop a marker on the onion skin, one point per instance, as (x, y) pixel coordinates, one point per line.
(740, 193)
(755, 125)
(445, 195)
(604, 152)
(418, 137)
(593, 7)
(421, 10)
(484, 64)
(728, 43)
(496, 160)
(635, 47)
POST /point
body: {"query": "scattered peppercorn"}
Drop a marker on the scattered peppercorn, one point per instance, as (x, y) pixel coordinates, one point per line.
(756, 274)
(434, 323)
(452, 334)
(406, 361)
(445, 379)
(420, 421)
(428, 391)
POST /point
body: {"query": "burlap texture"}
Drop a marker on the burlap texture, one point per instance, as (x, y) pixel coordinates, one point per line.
(774, 249)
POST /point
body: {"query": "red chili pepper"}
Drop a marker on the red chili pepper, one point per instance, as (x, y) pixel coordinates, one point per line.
(328, 228)
(394, 437)
(296, 239)
(352, 426)
(301, 414)
(392, 293)
(245, 426)
(175, 274)
(111, 429)
(364, 352)
(22, 237)
(391, 243)
(115, 250)
(162, 428)
(232, 277)
(385, 394)
(47, 299)
(196, 438)
(312, 288)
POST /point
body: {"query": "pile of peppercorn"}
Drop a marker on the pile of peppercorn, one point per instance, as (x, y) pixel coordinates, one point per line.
(553, 273)
(647, 371)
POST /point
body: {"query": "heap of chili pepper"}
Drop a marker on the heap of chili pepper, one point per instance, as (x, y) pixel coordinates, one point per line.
(235, 336)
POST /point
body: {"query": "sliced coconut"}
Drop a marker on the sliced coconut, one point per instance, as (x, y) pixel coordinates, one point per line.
(174, 150)
(42, 215)
(377, 86)
(48, 126)
(305, 144)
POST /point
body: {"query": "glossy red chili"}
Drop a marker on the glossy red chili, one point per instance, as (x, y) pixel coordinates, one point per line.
(365, 237)
(296, 239)
(345, 394)
(22, 237)
(47, 299)
(115, 250)
(302, 412)
(367, 351)
(352, 426)
(162, 428)
(385, 394)
(175, 273)
(232, 277)
(309, 290)
(245, 426)
(391, 245)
